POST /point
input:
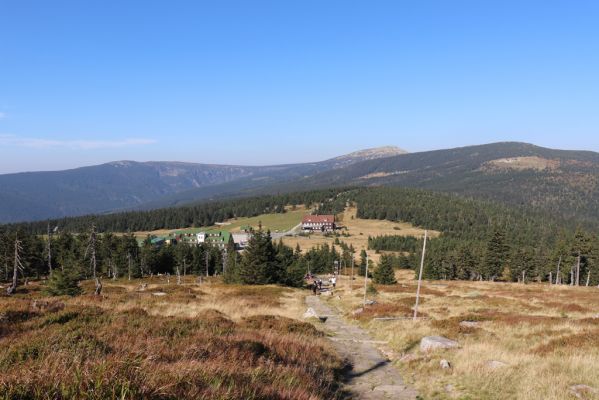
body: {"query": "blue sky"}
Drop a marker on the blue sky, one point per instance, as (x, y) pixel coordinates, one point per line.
(264, 82)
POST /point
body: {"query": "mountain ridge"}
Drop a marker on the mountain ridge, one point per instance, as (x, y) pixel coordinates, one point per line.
(126, 184)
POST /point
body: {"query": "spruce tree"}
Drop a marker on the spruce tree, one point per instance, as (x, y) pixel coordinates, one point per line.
(384, 273)
(63, 283)
(496, 257)
(362, 266)
(258, 265)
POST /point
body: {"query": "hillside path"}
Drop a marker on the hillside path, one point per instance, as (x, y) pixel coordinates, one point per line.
(372, 377)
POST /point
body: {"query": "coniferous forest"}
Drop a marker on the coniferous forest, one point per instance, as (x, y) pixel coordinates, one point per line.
(479, 240)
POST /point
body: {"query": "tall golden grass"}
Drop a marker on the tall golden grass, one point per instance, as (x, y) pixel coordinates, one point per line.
(547, 335)
(207, 341)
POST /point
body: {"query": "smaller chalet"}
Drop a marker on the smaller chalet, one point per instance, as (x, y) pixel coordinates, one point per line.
(321, 223)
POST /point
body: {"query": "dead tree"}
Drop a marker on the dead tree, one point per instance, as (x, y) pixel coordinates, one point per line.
(129, 265)
(588, 278)
(578, 270)
(17, 266)
(558, 279)
(49, 250)
(91, 251)
(207, 271)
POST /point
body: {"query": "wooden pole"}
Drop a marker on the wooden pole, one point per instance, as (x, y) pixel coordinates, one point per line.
(351, 281)
(365, 280)
(420, 276)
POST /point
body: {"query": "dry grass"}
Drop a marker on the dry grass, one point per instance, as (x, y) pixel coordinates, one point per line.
(207, 341)
(548, 336)
(359, 229)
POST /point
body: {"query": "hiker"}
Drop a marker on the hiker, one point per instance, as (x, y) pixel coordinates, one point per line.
(334, 281)
(314, 288)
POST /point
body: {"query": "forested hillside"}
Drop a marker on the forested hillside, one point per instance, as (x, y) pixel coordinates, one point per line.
(560, 182)
(479, 239)
(126, 185)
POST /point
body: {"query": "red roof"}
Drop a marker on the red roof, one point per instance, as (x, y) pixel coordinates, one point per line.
(322, 219)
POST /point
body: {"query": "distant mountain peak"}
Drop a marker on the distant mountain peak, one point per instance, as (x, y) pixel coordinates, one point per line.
(375, 152)
(364, 155)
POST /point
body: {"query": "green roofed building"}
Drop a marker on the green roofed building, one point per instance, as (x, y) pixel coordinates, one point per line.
(219, 239)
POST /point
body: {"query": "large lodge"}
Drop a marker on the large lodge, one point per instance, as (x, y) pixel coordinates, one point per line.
(321, 223)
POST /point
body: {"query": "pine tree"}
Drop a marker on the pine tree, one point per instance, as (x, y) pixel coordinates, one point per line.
(384, 273)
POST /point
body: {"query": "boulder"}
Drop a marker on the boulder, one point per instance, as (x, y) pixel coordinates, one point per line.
(583, 391)
(159, 294)
(358, 311)
(310, 313)
(470, 324)
(444, 364)
(429, 343)
(370, 302)
(494, 364)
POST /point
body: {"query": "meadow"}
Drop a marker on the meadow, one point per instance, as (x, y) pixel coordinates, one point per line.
(358, 230)
(202, 340)
(517, 341)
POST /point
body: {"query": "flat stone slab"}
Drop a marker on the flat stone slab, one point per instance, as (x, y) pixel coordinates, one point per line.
(373, 376)
(429, 343)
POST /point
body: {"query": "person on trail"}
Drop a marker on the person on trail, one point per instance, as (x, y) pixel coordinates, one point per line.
(314, 287)
(333, 281)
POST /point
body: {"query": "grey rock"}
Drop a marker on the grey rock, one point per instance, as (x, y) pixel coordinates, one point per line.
(470, 324)
(429, 343)
(582, 391)
(310, 313)
(444, 364)
(494, 364)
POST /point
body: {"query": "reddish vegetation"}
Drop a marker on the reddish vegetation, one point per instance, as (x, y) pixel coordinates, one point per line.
(569, 342)
(86, 351)
(386, 310)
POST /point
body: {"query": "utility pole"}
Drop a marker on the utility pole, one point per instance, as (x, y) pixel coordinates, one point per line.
(420, 276)
(365, 280)
(351, 282)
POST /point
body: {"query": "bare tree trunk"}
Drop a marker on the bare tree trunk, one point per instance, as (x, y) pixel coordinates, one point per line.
(365, 280)
(16, 267)
(178, 275)
(91, 249)
(49, 250)
(550, 278)
(578, 270)
(588, 277)
(207, 271)
(129, 265)
(558, 279)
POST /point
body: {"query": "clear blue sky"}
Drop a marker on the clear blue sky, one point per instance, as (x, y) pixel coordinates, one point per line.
(264, 82)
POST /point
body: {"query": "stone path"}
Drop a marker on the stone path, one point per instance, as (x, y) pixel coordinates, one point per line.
(372, 376)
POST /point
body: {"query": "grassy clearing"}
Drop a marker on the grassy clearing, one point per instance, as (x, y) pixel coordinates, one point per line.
(274, 222)
(547, 336)
(359, 230)
(206, 341)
